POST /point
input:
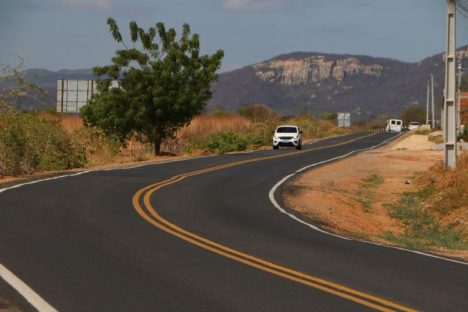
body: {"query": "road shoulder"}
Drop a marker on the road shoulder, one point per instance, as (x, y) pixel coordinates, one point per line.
(351, 197)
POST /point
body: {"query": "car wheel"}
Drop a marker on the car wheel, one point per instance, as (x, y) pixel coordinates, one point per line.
(299, 146)
(275, 147)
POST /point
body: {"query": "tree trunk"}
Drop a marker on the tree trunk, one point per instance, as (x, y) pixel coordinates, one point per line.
(157, 144)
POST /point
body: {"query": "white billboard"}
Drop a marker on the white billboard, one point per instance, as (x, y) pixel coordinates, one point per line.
(72, 95)
(344, 120)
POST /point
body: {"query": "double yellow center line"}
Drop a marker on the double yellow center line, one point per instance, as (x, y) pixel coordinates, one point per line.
(142, 205)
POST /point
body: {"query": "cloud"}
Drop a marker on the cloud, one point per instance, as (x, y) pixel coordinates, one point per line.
(99, 5)
(260, 5)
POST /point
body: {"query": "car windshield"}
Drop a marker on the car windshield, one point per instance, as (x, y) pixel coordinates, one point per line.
(286, 130)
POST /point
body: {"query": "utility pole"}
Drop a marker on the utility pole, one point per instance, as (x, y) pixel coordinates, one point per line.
(432, 101)
(450, 112)
(459, 72)
(427, 104)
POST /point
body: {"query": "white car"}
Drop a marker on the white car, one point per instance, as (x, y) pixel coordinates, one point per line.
(414, 125)
(287, 135)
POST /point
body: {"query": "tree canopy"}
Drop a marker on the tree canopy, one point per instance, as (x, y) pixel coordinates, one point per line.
(413, 113)
(163, 83)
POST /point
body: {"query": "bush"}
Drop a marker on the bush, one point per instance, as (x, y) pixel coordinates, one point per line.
(218, 143)
(257, 112)
(226, 142)
(29, 144)
(100, 148)
(312, 127)
(378, 122)
(329, 116)
(422, 131)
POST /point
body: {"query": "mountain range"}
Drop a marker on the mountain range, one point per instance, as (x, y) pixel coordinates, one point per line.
(312, 82)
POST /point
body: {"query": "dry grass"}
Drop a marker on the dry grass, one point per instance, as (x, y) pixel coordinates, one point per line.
(436, 214)
(103, 151)
(450, 197)
(71, 122)
(206, 125)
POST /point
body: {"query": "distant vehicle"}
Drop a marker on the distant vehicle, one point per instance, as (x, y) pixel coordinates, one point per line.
(287, 135)
(394, 125)
(414, 125)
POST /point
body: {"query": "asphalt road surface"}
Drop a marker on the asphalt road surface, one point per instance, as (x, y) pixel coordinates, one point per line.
(203, 235)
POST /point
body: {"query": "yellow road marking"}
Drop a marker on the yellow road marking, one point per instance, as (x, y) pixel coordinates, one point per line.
(157, 220)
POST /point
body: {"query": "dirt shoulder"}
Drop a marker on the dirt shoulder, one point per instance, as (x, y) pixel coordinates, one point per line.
(351, 197)
(6, 181)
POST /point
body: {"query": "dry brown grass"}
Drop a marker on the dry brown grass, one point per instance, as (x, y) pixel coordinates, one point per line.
(71, 122)
(206, 125)
(101, 152)
(449, 201)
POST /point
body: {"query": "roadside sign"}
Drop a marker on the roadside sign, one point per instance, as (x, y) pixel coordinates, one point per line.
(344, 119)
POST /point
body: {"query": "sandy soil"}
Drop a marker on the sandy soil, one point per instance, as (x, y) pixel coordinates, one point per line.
(333, 196)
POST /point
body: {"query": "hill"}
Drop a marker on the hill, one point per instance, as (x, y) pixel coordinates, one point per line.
(366, 86)
(309, 81)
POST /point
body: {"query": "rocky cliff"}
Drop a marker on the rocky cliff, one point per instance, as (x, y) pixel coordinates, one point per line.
(315, 82)
(313, 70)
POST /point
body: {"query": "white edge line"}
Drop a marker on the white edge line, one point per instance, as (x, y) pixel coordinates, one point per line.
(24, 290)
(271, 196)
(42, 180)
(15, 282)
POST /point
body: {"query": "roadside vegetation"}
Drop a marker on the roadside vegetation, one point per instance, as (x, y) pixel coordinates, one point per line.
(366, 191)
(158, 109)
(29, 143)
(435, 215)
(33, 142)
(249, 128)
(164, 81)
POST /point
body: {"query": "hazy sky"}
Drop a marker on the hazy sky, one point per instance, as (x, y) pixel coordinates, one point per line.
(71, 34)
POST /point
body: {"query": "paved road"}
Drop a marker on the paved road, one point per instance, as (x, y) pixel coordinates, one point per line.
(203, 235)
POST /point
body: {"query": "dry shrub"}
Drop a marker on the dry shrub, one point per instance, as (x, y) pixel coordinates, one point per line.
(31, 143)
(451, 186)
(100, 148)
(71, 122)
(315, 128)
(206, 125)
(448, 201)
(257, 112)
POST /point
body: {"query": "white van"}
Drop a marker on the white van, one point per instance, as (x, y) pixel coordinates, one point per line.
(394, 125)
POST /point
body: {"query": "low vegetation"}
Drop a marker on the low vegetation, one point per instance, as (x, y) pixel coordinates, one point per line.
(29, 143)
(365, 194)
(35, 142)
(435, 214)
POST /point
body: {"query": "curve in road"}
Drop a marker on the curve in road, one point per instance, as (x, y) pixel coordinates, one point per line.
(79, 243)
(148, 212)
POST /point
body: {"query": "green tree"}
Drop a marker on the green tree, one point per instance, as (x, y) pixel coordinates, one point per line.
(413, 113)
(164, 82)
